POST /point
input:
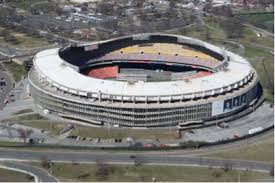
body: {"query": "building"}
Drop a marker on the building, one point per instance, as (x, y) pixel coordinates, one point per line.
(144, 80)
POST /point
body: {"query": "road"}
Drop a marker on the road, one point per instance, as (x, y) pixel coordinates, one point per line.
(116, 158)
(42, 175)
(265, 32)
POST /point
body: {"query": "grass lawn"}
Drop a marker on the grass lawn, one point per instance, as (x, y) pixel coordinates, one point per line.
(212, 21)
(250, 36)
(87, 172)
(10, 143)
(265, 77)
(13, 176)
(262, 151)
(36, 121)
(201, 33)
(16, 70)
(252, 53)
(125, 132)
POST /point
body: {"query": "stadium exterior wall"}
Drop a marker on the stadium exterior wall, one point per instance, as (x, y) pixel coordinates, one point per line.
(146, 115)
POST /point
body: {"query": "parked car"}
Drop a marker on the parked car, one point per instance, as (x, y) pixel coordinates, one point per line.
(223, 125)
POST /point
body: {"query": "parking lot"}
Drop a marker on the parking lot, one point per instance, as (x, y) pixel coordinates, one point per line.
(65, 23)
(262, 117)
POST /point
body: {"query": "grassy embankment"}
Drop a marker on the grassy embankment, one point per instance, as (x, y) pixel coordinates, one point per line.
(87, 172)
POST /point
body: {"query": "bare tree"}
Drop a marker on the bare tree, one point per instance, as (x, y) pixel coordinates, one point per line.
(102, 170)
(138, 161)
(227, 166)
(271, 172)
(24, 133)
(45, 163)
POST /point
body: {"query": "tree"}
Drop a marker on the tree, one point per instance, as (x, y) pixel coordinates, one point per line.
(227, 166)
(228, 11)
(24, 133)
(271, 172)
(138, 161)
(45, 163)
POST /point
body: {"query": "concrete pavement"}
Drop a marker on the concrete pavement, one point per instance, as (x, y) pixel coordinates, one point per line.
(261, 117)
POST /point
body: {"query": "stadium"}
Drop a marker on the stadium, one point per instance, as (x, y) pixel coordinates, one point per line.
(143, 80)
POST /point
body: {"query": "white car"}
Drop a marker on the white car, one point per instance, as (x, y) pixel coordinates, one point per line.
(68, 20)
(58, 18)
(77, 19)
(85, 21)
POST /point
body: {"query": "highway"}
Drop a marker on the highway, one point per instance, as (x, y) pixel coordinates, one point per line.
(116, 158)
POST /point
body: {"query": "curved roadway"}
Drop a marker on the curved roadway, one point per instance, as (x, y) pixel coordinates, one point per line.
(39, 173)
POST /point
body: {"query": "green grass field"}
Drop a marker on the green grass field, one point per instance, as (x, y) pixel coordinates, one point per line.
(13, 176)
(86, 172)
